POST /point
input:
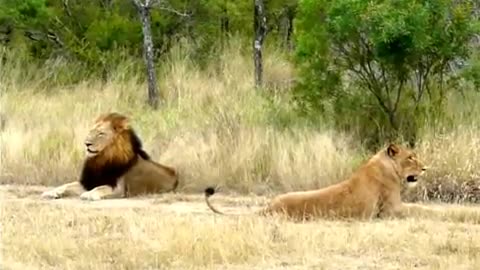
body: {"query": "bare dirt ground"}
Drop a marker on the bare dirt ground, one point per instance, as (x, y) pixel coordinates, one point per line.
(172, 203)
(178, 231)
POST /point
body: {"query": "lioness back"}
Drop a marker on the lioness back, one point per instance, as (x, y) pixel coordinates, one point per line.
(337, 200)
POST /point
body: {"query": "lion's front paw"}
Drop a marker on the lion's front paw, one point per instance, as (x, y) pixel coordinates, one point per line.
(51, 194)
(90, 196)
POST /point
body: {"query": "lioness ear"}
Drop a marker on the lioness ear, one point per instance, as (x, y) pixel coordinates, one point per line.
(392, 150)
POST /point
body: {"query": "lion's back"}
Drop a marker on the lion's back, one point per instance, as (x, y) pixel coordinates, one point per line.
(148, 176)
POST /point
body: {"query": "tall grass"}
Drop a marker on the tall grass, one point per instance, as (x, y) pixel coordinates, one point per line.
(212, 125)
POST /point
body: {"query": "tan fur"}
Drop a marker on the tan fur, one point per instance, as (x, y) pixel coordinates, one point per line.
(373, 190)
(110, 146)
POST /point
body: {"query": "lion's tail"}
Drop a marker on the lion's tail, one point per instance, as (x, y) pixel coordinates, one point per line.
(209, 191)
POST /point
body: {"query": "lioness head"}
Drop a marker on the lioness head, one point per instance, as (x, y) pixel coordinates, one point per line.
(407, 165)
(106, 131)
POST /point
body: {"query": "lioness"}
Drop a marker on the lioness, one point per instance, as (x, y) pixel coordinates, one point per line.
(116, 165)
(373, 190)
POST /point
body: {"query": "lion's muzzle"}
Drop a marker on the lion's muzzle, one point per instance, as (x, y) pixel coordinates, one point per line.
(90, 151)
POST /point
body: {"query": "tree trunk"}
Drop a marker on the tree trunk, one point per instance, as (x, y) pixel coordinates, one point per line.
(144, 12)
(224, 25)
(260, 29)
(291, 16)
(286, 27)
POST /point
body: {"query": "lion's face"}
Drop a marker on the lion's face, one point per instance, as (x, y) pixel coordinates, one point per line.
(99, 137)
(407, 164)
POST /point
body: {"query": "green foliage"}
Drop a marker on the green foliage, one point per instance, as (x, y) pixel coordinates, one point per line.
(319, 79)
(378, 68)
(472, 72)
(99, 34)
(24, 13)
(393, 58)
(113, 32)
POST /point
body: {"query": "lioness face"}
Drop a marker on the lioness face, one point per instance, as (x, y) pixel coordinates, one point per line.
(409, 166)
(98, 138)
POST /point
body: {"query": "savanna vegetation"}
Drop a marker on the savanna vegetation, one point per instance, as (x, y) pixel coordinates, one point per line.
(340, 79)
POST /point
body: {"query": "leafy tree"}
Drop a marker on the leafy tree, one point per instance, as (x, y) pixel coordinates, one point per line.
(25, 13)
(319, 78)
(96, 32)
(396, 53)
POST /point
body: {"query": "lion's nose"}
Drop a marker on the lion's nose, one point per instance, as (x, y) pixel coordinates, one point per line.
(424, 168)
(88, 144)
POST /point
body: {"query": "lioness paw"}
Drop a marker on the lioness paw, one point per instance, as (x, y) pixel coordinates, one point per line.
(90, 196)
(51, 194)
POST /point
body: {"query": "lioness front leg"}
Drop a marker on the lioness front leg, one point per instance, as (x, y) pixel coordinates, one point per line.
(73, 188)
(102, 192)
(404, 210)
(416, 210)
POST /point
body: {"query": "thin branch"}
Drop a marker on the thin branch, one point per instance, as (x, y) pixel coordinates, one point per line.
(399, 94)
(423, 85)
(171, 10)
(34, 35)
(69, 13)
(67, 8)
(54, 37)
(137, 3)
(367, 76)
(161, 5)
(370, 87)
(362, 73)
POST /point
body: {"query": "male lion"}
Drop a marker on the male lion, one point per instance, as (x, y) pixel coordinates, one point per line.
(373, 190)
(116, 165)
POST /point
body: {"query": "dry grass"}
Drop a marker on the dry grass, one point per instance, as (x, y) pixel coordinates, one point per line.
(213, 126)
(179, 232)
(215, 129)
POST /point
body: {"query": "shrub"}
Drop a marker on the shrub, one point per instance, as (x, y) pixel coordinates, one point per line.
(386, 61)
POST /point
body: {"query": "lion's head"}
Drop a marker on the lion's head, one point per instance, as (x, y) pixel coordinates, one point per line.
(112, 148)
(406, 163)
(111, 136)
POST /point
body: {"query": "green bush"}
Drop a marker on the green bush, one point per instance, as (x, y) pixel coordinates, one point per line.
(380, 64)
(472, 72)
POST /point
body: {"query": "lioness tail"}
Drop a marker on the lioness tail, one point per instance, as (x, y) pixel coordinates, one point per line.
(209, 191)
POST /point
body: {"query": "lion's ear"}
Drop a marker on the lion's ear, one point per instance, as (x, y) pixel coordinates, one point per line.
(392, 150)
(121, 124)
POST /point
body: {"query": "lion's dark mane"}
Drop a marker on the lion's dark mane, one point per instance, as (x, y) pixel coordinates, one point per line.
(92, 176)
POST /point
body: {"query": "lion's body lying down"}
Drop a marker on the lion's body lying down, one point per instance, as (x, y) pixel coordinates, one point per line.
(116, 165)
(373, 190)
